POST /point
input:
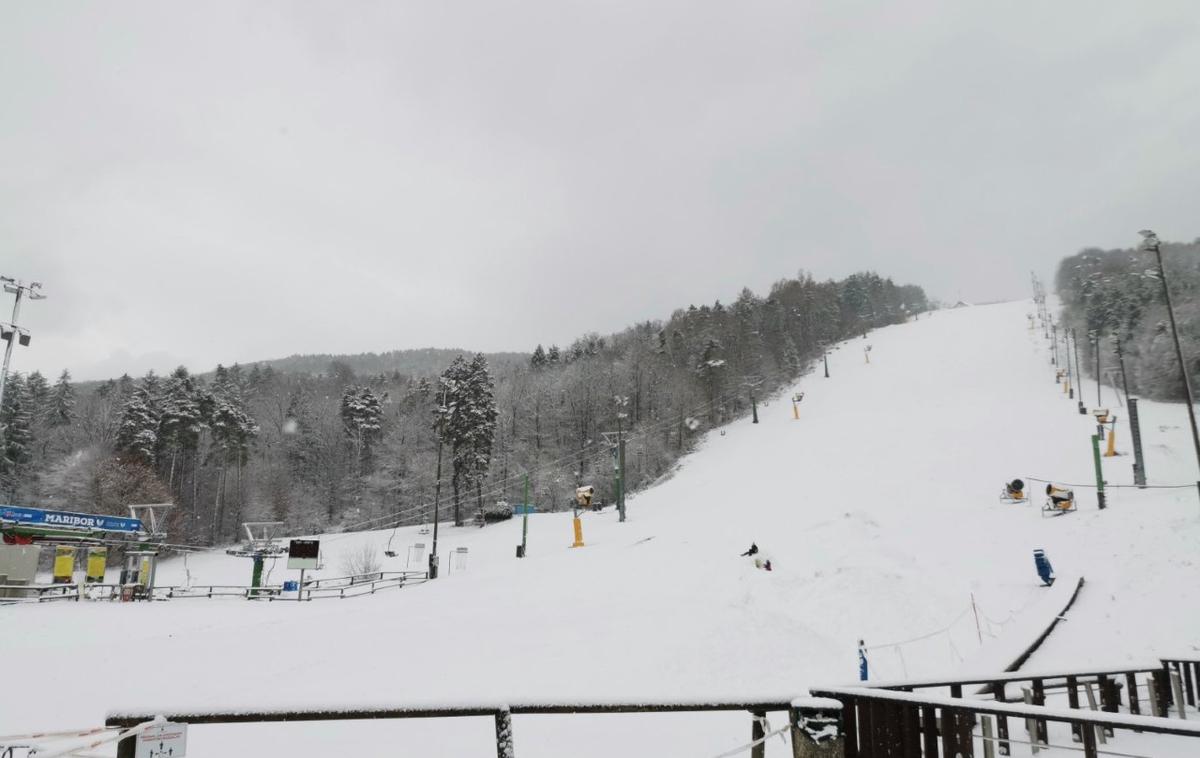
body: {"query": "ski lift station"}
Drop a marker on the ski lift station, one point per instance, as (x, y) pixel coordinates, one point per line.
(75, 537)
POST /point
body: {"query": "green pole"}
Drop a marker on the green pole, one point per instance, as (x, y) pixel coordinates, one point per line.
(1099, 471)
(525, 518)
(621, 490)
(256, 578)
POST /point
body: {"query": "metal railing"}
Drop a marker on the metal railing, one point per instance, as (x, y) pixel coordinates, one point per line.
(357, 585)
(182, 592)
(37, 593)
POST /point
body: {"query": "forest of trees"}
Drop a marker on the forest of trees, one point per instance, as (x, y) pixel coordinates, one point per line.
(1117, 296)
(345, 448)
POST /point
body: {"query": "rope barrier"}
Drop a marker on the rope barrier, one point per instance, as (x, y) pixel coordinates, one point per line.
(112, 736)
(943, 630)
(1118, 486)
(755, 743)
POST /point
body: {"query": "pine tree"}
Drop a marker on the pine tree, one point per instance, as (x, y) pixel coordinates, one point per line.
(467, 423)
(538, 359)
(137, 431)
(233, 433)
(61, 408)
(300, 442)
(362, 418)
(17, 449)
(180, 421)
(37, 395)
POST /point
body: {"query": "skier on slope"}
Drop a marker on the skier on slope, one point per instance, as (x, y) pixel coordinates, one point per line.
(760, 561)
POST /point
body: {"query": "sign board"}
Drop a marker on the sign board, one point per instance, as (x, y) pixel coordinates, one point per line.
(304, 554)
(85, 521)
(166, 740)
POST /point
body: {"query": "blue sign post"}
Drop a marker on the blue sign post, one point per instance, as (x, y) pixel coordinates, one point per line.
(92, 522)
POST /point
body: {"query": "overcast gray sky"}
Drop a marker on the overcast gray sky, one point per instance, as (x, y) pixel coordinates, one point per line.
(204, 182)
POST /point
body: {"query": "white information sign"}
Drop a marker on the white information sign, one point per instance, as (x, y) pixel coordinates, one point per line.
(166, 740)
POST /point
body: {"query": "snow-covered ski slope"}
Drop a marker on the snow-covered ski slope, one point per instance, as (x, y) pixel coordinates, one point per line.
(878, 507)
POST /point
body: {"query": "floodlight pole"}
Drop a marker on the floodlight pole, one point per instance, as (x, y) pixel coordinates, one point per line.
(20, 289)
(1151, 243)
(437, 490)
(1067, 351)
(525, 517)
(1078, 369)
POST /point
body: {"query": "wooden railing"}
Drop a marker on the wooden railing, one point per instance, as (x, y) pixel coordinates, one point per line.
(881, 723)
(888, 720)
(502, 713)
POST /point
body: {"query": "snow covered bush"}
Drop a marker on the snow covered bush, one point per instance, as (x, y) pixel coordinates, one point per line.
(363, 559)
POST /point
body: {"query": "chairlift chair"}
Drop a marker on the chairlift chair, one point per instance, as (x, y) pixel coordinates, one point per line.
(388, 550)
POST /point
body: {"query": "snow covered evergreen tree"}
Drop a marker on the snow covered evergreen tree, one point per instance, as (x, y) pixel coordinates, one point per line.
(17, 423)
(180, 423)
(137, 431)
(61, 408)
(467, 423)
(37, 395)
(362, 418)
(538, 359)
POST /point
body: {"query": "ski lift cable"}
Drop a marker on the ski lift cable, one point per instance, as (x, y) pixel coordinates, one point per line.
(498, 485)
(1108, 486)
(495, 487)
(395, 520)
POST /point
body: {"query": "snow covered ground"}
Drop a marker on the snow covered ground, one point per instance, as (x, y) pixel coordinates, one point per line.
(878, 508)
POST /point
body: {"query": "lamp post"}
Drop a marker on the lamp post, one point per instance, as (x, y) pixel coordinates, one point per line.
(1078, 370)
(1067, 353)
(437, 490)
(14, 333)
(1094, 337)
(622, 403)
(1150, 242)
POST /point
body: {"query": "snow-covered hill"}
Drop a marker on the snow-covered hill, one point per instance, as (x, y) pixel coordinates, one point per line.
(878, 508)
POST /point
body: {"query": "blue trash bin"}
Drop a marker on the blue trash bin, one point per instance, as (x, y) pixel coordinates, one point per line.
(1044, 569)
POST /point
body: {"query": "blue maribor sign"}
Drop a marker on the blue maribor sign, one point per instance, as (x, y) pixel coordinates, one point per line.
(86, 521)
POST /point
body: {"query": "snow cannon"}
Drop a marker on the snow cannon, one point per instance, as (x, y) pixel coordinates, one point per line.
(1059, 499)
(1014, 492)
(1044, 569)
(583, 496)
